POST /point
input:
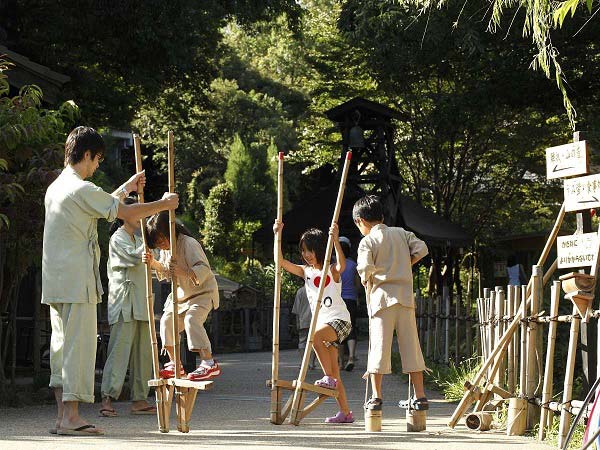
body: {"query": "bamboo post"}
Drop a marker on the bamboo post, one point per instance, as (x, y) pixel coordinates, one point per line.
(456, 323)
(549, 368)
(511, 348)
(179, 391)
(446, 295)
(565, 416)
(532, 354)
(468, 323)
(276, 399)
(492, 338)
(429, 325)
(523, 359)
(437, 328)
(500, 297)
(515, 339)
(159, 391)
(295, 415)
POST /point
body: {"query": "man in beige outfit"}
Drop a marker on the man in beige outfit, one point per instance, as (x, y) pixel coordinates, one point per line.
(384, 263)
(70, 276)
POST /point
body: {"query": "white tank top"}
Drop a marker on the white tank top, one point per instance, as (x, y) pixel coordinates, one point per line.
(332, 305)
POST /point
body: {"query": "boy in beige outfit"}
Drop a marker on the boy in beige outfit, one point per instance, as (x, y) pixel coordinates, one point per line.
(197, 294)
(384, 263)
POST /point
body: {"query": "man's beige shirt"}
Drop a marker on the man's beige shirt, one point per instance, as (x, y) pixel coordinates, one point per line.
(384, 265)
(71, 255)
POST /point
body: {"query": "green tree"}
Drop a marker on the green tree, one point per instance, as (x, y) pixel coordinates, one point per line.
(219, 218)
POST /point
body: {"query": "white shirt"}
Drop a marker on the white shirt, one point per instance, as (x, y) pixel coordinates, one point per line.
(332, 305)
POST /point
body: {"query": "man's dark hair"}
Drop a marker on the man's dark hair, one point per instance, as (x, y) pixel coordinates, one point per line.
(158, 227)
(315, 241)
(368, 208)
(80, 140)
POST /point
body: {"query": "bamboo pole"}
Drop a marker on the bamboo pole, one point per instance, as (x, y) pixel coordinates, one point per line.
(516, 336)
(174, 285)
(436, 341)
(532, 350)
(456, 333)
(446, 295)
(429, 325)
(468, 396)
(549, 368)
(565, 417)
(275, 390)
(492, 337)
(468, 323)
(511, 347)
(500, 299)
(295, 415)
(159, 391)
(523, 359)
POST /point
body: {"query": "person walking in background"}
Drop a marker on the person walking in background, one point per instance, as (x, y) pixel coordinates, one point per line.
(301, 309)
(350, 297)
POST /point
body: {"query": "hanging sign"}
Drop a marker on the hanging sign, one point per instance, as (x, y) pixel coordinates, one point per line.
(582, 193)
(577, 250)
(567, 160)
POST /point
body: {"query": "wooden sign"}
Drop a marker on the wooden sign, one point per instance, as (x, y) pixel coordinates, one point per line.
(567, 160)
(500, 269)
(577, 250)
(582, 193)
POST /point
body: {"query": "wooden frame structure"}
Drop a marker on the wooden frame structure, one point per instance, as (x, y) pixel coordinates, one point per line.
(184, 391)
(298, 410)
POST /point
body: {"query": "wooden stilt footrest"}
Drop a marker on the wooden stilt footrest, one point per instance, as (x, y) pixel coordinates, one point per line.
(279, 412)
(281, 384)
(182, 382)
(316, 389)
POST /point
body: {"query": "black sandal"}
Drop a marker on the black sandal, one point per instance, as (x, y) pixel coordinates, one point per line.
(374, 404)
(418, 404)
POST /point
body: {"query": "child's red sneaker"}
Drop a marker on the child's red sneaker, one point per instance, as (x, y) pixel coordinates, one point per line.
(168, 371)
(205, 372)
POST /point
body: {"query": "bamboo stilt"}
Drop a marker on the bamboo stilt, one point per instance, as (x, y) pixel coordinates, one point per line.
(549, 368)
(159, 391)
(299, 393)
(276, 391)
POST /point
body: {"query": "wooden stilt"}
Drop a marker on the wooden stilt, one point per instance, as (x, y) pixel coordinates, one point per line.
(276, 413)
(297, 411)
(549, 369)
(160, 391)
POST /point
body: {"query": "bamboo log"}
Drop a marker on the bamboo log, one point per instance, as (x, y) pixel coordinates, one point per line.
(296, 411)
(511, 347)
(532, 352)
(565, 417)
(429, 325)
(159, 391)
(549, 368)
(276, 399)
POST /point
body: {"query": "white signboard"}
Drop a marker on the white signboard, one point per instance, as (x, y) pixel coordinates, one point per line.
(567, 160)
(500, 269)
(582, 193)
(577, 250)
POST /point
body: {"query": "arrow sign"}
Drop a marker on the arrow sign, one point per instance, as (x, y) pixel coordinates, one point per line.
(567, 160)
(582, 193)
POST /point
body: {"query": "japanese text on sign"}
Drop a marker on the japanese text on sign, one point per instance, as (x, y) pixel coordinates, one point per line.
(577, 250)
(582, 193)
(567, 160)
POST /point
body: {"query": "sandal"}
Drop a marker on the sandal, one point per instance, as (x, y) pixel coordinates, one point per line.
(108, 412)
(327, 382)
(374, 404)
(418, 404)
(349, 365)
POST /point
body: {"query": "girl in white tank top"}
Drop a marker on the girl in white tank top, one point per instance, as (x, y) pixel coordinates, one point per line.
(333, 321)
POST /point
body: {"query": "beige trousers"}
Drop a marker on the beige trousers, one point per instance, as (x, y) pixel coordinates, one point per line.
(381, 333)
(73, 350)
(192, 322)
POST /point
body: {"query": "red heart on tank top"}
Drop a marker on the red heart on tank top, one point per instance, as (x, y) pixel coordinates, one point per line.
(318, 281)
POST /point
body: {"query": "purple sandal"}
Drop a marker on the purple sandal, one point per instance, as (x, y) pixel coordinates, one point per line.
(340, 417)
(327, 382)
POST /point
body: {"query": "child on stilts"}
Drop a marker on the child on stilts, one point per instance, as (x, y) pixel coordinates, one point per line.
(198, 294)
(129, 343)
(385, 259)
(333, 322)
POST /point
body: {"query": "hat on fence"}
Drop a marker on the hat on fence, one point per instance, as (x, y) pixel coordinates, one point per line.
(346, 240)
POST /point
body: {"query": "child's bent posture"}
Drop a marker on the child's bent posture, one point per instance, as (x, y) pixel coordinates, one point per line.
(197, 294)
(384, 263)
(333, 322)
